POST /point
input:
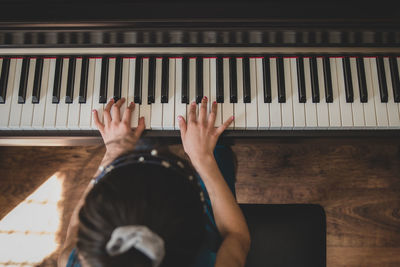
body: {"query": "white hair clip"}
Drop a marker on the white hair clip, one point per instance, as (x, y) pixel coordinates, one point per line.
(123, 238)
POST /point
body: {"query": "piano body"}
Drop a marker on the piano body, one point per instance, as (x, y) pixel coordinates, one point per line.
(282, 68)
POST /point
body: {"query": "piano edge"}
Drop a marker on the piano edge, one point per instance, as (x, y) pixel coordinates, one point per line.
(91, 138)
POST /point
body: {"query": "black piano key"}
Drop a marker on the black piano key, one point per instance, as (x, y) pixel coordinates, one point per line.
(246, 80)
(267, 80)
(328, 80)
(220, 80)
(37, 81)
(394, 71)
(281, 80)
(185, 80)
(382, 79)
(138, 81)
(314, 80)
(69, 98)
(5, 69)
(117, 79)
(233, 80)
(84, 80)
(199, 79)
(104, 80)
(301, 80)
(24, 81)
(151, 89)
(165, 80)
(57, 81)
(362, 82)
(348, 80)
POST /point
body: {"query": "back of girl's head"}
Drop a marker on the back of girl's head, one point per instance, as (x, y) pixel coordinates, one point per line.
(142, 194)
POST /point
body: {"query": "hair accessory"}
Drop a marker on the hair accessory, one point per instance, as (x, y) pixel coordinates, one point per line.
(140, 237)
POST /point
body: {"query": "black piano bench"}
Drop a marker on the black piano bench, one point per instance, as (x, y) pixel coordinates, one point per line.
(286, 235)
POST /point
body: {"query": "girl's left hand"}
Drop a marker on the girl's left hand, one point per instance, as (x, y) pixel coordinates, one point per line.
(117, 133)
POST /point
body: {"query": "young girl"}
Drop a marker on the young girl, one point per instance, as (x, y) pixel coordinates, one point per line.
(146, 207)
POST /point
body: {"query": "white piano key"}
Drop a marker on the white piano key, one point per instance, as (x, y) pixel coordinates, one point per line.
(131, 92)
(393, 109)
(369, 107)
(75, 107)
(192, 83)
(111, 78)
(39, 110)
(27, 108)
(357, 106)
(380, 108)
(240, 106)
(62, 107)
(322, 106)
(16, 109)
(310, 107)
(275, 106)
(124, 84)
(157, 108)
(346, 112)
(50, 113)
(263, 108)
(206, 80)
(251, 108)
(227, 106)
(6, 107)
(287, 107)
(85, 117)
(298, 108)
(334, 107)
(169, 108)
(213, 90)
(145, 107)
(180, 108)
(96, 91)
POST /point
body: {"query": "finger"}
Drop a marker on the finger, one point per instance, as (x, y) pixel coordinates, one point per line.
(203, 110)
(116, 112)
(192, 112)
(97, 121)
(225, 125)
(213, 114)
(106, 113)
(182, 125)
(139, 130)
(126, 117)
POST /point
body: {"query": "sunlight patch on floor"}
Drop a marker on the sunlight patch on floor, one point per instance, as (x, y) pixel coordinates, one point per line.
(28, 232)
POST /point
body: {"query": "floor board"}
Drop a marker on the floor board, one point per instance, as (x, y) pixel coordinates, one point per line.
(357, 181)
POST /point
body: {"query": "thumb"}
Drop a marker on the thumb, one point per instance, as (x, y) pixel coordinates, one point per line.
(182, 125)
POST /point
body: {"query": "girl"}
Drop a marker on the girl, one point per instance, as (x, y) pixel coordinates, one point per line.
(146, 207)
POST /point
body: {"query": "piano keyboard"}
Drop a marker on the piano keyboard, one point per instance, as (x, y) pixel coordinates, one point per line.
(263, 92)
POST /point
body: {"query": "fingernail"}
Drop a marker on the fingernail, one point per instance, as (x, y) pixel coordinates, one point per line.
(193, 103)
(204, 97)
(179, 118)
(233, 117)
(215, 102)
(93, 110)
(111, 99)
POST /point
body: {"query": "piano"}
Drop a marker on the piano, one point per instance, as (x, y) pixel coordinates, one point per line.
(282, 68)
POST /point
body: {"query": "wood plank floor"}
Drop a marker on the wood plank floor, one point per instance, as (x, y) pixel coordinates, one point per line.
(357, 181)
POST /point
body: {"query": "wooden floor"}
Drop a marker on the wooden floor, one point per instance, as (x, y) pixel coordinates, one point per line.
(357, 181)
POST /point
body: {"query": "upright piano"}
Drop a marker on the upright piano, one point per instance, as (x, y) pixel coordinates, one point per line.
(282, 68)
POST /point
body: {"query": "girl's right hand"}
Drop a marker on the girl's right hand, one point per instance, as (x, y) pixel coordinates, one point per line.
(199, 136)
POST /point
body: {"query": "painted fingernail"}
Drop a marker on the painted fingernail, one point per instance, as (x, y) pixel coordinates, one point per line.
(233, 117)
(204, 97)
(93, 110)
(179, 118)
(215, 102)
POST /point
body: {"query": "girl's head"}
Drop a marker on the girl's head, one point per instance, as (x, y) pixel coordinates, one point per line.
(165, 201)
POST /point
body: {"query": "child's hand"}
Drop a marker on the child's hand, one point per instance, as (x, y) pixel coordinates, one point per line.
(117, 133)
(199, 136)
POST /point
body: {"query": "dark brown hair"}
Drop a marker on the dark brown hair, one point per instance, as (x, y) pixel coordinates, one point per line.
(142, 194)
